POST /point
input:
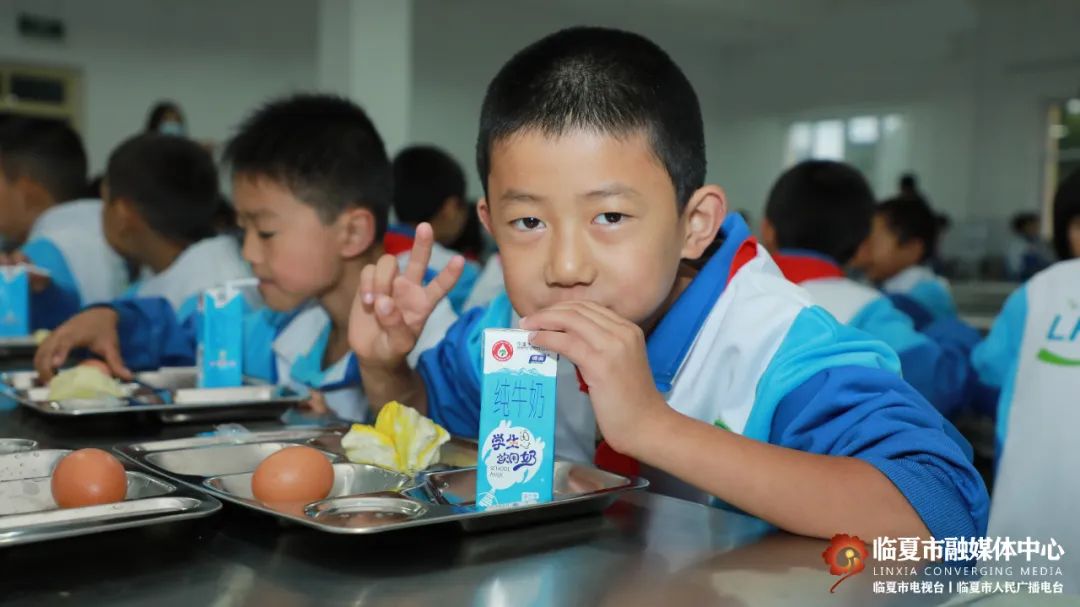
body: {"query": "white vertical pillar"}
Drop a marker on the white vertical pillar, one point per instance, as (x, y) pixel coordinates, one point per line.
(365, 53)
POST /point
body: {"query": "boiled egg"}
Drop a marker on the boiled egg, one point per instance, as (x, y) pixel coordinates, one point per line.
(294, 474)
(87, 477)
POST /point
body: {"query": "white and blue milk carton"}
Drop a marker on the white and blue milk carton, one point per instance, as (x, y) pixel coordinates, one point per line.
(14, 301)
(221, 337)
(517, 421)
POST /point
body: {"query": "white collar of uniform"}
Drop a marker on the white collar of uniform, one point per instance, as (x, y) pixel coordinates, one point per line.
(81, 214)
(300, 335)
(842, 297)
(906, 280)
(75, 229)
(202, 265)
(440, 256)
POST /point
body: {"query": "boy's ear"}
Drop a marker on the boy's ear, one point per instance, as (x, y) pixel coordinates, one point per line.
(484, 212)
(449, 206)
(861, 259)
(125, 228)
(127, 216)
(913, 251)
(34, 194)
(358, 231)
(701, 220)
(768, 235)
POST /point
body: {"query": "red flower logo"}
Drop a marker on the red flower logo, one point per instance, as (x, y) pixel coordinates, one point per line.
(502, 351)
(846, 556)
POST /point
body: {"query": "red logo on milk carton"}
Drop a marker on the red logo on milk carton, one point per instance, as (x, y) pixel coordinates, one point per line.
(502, 351)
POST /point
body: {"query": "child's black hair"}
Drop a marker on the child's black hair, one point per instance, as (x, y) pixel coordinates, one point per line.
(602, 80)
(171, 181)
(1020, 221)
(158, 113)
(1066, 210)
(424, 177)
(471, 243)
(47, 151)
(822, 206)
(323, 148)
(911, 218)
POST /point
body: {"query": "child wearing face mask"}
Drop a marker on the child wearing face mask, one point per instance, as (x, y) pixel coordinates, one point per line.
(167, 119)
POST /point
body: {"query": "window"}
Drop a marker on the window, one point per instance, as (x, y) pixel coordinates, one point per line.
(1062, 151)
(876, 145)
(43, 92)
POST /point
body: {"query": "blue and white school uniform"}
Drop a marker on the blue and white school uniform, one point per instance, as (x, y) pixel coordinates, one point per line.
(488, 285)
(744, 348)
(921, 294)
(204, 264)
(283, 348)
(1037, 334)
(940, 372)
(1033, 354)
(68, 240)
(399, 242)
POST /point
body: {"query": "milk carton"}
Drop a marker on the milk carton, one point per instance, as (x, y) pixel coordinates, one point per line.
(517, 421)
(14, 301)
(221, 337)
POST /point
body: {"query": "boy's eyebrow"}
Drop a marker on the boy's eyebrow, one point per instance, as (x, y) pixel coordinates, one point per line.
(605, 191)
(613, 190)
(519, 196)
(257, 214)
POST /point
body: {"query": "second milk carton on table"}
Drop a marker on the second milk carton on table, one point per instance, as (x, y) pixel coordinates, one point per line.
(517, 421)
(14, 301)
(221, 337)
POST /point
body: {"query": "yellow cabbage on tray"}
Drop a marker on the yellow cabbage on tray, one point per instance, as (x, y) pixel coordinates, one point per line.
(401, 440)
(83, 382)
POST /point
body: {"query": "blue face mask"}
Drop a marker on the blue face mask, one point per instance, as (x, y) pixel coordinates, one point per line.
(172, 127)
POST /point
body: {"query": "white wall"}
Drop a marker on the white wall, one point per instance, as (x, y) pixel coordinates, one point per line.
(365, 53)
(972, 78)
(863, 61)
(460, 45)
(217, 59)
(749, 92)
(1030, 56)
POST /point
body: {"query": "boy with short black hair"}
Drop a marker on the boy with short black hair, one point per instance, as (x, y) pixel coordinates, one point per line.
(429, 187)
(42, 177)
(311, 182)
(161, 199)
(161, 203)
(724, 381)
(903, 239)
(817, 215)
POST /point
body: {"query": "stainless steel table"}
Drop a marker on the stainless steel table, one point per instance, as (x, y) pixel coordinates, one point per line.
(645, 550)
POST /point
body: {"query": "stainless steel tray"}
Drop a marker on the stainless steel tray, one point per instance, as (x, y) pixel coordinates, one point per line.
(367, 499)
(16, 445)
(169, 393)
(29, 514)
(17, 347)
